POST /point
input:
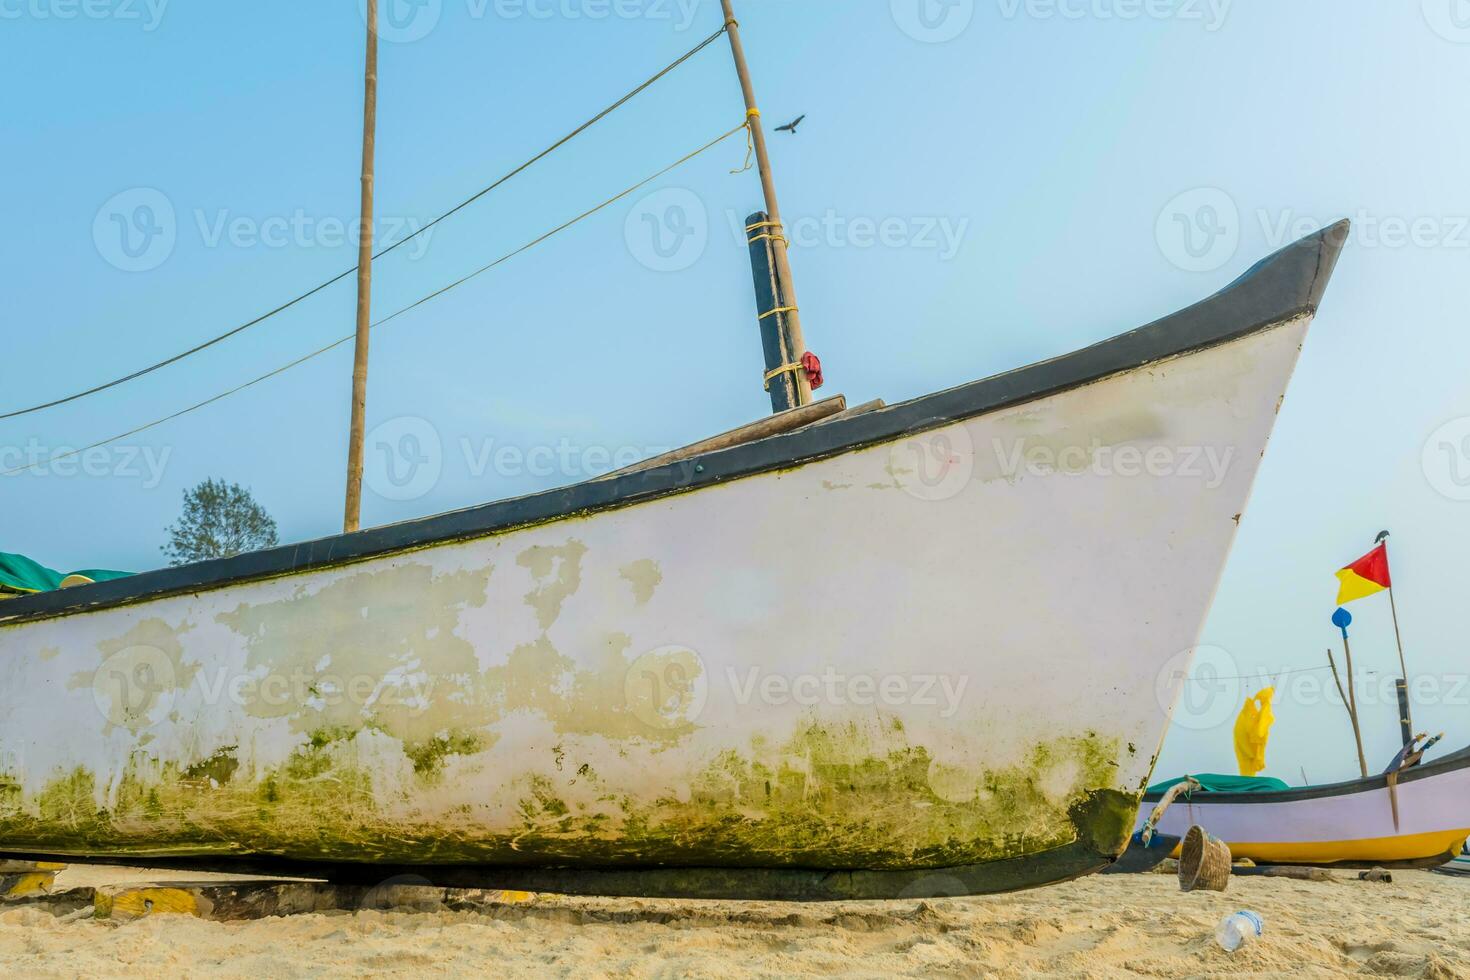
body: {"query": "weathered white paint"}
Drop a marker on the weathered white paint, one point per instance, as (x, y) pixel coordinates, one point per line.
(1014, 610)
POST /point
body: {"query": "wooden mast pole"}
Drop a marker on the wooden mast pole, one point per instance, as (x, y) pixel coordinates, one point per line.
(790, 313)
(1406, 721)
(352, 518)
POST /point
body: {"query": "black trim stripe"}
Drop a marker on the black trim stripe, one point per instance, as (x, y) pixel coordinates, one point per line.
(1450, 763)
(1287, 285)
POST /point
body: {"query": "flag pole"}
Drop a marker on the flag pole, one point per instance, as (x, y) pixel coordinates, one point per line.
(1406, 722)
(352, 514)
(1393, 607)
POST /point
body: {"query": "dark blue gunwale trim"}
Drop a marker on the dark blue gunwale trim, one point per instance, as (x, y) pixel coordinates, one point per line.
(1350, 787)
(1284, 286)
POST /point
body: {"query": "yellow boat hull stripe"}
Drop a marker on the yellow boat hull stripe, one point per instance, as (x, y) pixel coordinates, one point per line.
(1408, 847)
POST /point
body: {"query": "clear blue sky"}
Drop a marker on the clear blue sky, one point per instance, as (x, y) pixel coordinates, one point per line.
(1051, 138)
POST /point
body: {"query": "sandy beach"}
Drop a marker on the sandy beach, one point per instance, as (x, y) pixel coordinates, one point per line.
(1096, 927)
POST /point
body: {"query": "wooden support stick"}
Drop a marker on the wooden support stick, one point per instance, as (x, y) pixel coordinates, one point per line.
(775, 425)
(1186, 785)
(1351, 701)
(1284, 871)
(250, 900)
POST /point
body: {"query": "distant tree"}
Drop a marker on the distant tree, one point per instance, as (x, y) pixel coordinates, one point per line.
(219, 520)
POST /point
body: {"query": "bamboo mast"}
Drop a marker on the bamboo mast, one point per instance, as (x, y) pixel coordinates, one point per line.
(352, 518)
(788, 305)
(1406, 721)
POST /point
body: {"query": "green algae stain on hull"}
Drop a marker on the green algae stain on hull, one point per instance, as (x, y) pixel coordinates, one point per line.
(426, 780)
(830, 797)
(342, 654)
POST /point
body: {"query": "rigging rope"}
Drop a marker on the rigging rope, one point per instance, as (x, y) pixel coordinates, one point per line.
(414, 305)
(398, 244)
(1264, 675)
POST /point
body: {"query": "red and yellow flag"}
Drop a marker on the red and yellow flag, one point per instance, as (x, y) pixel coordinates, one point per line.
(1364, 577)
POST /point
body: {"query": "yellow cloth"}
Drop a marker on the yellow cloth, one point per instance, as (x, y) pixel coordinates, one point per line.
(1252, 729)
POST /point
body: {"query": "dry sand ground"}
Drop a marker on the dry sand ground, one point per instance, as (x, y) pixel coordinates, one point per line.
(1098, 927)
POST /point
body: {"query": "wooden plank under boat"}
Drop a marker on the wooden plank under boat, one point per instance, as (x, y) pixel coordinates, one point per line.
(1347, 824)
(895, 653)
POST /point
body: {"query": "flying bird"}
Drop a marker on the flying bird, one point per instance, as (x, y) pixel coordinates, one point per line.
(791, 126)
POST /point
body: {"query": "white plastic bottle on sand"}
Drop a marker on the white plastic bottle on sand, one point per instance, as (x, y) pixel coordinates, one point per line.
(1237, 929)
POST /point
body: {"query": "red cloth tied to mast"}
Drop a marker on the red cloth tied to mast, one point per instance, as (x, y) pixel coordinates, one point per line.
(812, 365)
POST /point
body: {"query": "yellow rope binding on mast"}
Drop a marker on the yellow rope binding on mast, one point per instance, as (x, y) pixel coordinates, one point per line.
(751, 115)
(768, 236)
(783, 369)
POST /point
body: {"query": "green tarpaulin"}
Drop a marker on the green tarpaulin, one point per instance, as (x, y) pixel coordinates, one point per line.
(19, 574)
(1215, 783)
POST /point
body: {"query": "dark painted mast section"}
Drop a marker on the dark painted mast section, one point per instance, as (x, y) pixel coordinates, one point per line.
(775, 341)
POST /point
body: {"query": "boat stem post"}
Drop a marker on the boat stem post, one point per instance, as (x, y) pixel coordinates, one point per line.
(352, 516)
(1406, 723)
(786, 308)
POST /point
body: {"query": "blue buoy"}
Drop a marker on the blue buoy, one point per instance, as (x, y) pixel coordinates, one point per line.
(1342, 619)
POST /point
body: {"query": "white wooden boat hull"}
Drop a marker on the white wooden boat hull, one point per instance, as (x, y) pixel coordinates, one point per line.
(916, 652)
(1349, 824)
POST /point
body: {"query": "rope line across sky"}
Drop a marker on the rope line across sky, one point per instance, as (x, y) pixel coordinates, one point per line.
(143, 372)
(1264, 675)
(397, 313)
